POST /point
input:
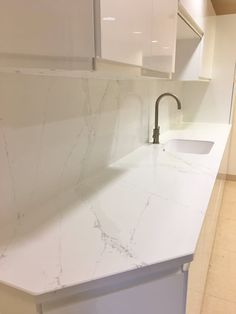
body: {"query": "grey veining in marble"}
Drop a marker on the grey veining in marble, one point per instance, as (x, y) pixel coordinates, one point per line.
(57, 131)
(140, 210)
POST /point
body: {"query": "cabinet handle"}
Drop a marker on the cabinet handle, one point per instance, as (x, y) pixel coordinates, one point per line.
(185, 267)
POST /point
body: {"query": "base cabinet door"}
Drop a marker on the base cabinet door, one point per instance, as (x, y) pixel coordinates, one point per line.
(165, 295)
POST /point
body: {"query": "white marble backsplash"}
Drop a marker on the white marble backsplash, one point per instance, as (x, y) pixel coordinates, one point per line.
(56, 131)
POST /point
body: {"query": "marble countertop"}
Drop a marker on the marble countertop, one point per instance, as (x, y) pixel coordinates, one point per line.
(144, 209)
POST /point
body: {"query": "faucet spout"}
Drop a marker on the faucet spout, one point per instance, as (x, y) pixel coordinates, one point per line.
(156, 130)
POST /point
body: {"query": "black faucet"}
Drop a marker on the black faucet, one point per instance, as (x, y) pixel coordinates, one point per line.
(156, 131)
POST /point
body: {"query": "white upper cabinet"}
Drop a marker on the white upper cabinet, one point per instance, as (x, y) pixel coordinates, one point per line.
(196, 9)
(46, 33)
(122, 28)
(188, 52)
(159, 51)
(207, 47)
(69, 34)
(140, 33)
(202, 12)
(72, 34)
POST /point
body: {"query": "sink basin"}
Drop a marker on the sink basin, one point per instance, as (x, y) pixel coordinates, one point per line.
(189, 146)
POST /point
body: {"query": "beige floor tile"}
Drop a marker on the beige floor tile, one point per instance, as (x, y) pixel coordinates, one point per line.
(230, 188)
(229, 201)
(194, 302)
(199, 266)
(220, 294)
(218, 306)
(221, 281)
(198, 273)
(226, 235)
(229, 210)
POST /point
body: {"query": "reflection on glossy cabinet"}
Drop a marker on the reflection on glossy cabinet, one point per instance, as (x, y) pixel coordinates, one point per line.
(68, 34)
(60, 35)
(46, 33)
(159, 52)
(140, 33)
(121, 30)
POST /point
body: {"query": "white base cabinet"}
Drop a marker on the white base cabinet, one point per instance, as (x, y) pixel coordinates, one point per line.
(156, 289)
(164, 296)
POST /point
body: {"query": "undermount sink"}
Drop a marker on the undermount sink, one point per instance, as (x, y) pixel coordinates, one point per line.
(189, 146)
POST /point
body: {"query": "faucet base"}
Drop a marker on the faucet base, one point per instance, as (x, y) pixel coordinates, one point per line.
(156, 134)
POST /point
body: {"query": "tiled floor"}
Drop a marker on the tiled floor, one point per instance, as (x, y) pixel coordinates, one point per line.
(220, 295)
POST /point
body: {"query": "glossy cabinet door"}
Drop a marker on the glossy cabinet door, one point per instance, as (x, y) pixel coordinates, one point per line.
(188, 53)
(159, 54)
(53, 30)
(140, 33)
(208, 47)
(124, 27)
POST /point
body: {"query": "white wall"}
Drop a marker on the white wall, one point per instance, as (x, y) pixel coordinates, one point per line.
(227, 58)
(212, 101)
(56, 131)
(232, 155)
